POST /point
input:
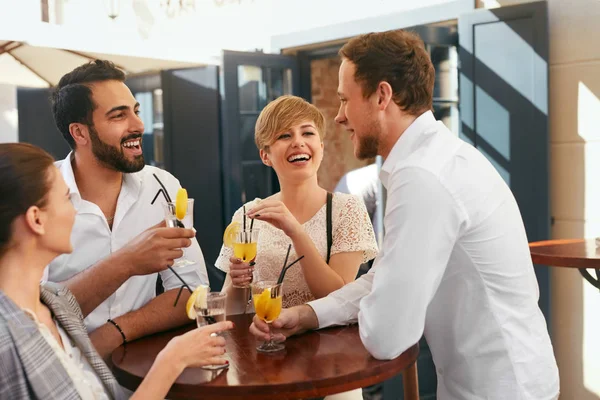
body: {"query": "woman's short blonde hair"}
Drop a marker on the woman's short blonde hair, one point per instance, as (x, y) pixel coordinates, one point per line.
(281, 115)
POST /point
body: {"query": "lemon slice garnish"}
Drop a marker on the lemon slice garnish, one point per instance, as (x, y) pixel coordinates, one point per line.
(230, 232)
(198, 298)
(181, 201)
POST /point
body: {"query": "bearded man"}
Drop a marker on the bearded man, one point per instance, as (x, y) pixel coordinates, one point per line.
(119, 238)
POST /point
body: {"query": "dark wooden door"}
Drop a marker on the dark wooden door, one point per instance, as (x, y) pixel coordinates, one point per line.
(503, 57)
(192, 148)
(36, 122)
(251, 81)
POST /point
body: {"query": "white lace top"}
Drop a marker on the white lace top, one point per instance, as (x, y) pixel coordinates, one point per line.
(351, 231)
(85, 380)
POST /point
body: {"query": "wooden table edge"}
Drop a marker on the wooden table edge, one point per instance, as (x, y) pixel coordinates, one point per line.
(554, 260)
(293, 390)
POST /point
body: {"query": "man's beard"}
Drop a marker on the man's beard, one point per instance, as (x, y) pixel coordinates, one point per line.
(368, 147)
(368, 144)
(113, 157)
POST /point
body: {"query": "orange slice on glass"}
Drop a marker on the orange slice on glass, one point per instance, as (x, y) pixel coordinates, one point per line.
(261, 303)
(230, 232)
(181, 201)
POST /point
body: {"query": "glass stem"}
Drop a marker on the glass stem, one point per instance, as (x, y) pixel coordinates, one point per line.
(248, 297)
(270, 342)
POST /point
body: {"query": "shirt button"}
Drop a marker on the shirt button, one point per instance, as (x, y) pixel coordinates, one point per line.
(440, 371)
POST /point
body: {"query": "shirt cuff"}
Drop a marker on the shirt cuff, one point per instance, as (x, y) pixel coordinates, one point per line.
(328, 312)
(189, 273)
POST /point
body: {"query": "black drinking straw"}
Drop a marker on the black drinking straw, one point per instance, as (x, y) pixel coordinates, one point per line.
(245, 239)
(286, 256)
(284, 263)
(181, 279)
(178, 295)
(185, 285)
(284, 269)
(163, 188)
(244, 217)
(168, 198)
(251, 225)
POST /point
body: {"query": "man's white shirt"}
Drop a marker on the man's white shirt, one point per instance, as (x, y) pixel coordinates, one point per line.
(363, 182)
(93, 240)
(454, 265)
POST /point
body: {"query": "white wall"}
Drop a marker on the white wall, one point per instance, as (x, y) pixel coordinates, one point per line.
(575, 196)
(338, 19)
(575, 187)
(309, 14)
(143, 27)
(9, 131)
(229, 24)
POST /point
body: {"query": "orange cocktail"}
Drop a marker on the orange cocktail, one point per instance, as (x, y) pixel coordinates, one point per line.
(243, 242)
(266, 296)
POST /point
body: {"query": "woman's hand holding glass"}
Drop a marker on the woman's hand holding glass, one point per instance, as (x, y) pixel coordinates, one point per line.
(240, 272)
(197, 348)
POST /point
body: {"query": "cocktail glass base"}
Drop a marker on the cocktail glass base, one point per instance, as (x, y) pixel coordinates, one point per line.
(270, 347)
(215, 367)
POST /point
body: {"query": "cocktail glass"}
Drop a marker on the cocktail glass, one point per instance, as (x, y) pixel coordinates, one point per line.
(186, 222)
(266, 296)
(244, 247)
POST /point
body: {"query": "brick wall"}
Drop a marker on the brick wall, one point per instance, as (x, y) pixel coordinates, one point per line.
(339, 155)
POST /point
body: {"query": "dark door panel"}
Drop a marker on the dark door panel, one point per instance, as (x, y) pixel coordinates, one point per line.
(504, 107)
(36, 122)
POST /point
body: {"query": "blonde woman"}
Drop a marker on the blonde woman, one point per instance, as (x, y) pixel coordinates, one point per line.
(289, 136)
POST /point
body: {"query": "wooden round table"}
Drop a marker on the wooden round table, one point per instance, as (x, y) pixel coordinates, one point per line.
(574, 253)
(313, 365)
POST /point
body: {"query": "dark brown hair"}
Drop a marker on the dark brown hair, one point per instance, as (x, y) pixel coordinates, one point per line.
(72, 98)
(24, 182)
(398, 58)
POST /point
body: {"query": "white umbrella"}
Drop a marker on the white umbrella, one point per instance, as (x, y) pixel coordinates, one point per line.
(24, 65)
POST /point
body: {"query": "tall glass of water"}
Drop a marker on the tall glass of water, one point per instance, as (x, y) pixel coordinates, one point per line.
(211, 313)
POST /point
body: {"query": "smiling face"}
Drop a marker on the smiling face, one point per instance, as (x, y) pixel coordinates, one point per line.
(358, 114)
(296, 153)
(289, 134)
(116, 133)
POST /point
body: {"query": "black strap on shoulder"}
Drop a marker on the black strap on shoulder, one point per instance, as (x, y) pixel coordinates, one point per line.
(329, 234)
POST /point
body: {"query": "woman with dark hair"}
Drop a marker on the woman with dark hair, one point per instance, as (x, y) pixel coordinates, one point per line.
(45, 351)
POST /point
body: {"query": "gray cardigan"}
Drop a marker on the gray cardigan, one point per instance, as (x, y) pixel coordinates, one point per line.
(29, 369)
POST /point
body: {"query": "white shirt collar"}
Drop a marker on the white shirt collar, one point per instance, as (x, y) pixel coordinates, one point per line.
(66, 169)
(404, 145)
(93, 240)
(131, 182)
